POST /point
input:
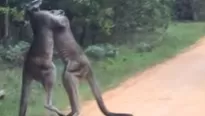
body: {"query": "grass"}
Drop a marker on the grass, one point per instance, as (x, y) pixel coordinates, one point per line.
(109, 72)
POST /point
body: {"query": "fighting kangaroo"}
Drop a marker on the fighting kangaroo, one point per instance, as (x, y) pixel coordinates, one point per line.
(76, 67)
(38, 64)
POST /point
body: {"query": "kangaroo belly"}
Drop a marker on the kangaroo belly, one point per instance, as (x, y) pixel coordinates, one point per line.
(38, 68)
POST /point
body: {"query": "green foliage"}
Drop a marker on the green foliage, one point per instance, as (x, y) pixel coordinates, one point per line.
(102, 51)
(14, 13)
(105, 20)
(14, 54)
(101, 18)
(119, 15)
(17, 15)
(141, 15)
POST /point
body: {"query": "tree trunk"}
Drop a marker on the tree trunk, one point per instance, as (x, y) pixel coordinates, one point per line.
(6, 25)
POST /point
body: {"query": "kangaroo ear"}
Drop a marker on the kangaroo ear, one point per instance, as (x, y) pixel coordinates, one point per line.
(33, 5)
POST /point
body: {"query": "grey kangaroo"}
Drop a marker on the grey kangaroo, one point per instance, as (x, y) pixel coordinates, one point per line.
(76, 67)
(38, 64)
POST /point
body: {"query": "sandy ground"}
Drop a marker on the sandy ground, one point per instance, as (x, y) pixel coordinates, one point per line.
(173, 88)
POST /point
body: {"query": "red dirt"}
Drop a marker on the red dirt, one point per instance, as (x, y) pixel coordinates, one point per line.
(173, 88)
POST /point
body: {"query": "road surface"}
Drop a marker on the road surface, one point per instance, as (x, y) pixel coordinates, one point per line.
(173, 88)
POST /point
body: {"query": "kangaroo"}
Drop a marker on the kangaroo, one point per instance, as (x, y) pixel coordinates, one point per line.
(76, 67)
(38, 64)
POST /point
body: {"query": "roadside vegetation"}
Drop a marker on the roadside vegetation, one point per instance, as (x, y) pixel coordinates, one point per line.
(121, 38)
(109, 72)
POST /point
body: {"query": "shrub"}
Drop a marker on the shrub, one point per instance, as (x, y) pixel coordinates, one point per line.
(14, 54)
(101, 51)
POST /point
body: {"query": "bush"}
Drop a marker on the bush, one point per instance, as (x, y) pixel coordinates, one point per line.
(101, 51)
(14, 54)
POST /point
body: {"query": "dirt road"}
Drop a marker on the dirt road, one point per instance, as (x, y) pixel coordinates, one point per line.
(173, 88)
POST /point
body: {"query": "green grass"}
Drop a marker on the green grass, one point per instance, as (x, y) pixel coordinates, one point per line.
(109, 72)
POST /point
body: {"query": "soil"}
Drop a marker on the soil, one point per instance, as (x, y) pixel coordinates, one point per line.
(174, 88)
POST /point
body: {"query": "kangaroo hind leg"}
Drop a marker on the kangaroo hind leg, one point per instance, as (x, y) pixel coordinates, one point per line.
(48, 83)
(70, 82)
